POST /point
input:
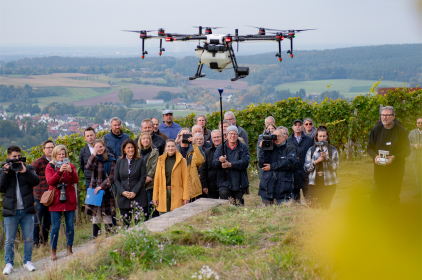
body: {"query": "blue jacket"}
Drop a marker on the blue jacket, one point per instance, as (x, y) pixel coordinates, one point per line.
(237, 175)
(170, 131)
(115, 142)
(278, 182)
(300, 176)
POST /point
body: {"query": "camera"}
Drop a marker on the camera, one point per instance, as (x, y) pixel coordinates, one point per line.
(185, 138)
(15, 163)
(322, 143)
(383, 160)
(267, 142)
(62, 188)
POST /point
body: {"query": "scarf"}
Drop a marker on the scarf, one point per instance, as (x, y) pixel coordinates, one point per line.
(146, 152)
(58, 164)
(106, 163)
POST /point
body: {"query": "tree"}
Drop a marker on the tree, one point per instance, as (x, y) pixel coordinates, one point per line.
(165, 95)
(126, 96)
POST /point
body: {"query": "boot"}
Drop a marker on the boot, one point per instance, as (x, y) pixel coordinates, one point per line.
(109, 228)
(69, 250)
(53, 255)
(95, 230)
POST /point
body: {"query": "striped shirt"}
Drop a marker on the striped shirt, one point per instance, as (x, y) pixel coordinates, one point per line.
(330, 166)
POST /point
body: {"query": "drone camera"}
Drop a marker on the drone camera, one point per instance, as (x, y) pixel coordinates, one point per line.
(242, 71)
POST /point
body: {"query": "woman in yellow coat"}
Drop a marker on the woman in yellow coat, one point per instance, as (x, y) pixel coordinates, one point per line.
(171, 180)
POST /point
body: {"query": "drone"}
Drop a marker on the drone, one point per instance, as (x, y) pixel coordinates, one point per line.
(217, 49)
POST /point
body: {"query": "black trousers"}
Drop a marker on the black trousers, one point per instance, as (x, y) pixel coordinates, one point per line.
(320, 194)
(296, 193)
(213, 194)
(235, 196)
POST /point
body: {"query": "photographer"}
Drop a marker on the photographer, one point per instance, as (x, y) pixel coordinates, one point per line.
(388, 175)
(278, 165)
(43, 214)
(232, 177)
(102, 164)
(194, 156)
(61, 176)
(415, 139)
(302, 144)
(207, 172)
(16, 183)
(270, 127)
(322, 163)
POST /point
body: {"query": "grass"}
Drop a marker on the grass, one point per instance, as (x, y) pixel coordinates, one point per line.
(257, 242)
(348, 87)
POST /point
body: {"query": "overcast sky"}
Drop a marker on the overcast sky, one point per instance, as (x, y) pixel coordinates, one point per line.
(53, 23)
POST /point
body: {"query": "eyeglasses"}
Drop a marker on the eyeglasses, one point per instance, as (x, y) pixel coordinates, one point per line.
(386, 115)
(233, 134)
(308, 123)
(419, 122)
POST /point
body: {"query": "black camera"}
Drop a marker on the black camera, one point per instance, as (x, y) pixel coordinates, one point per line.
(185, 138)
(322, 143)
(267, 142)
(15, 163)
(62, 188)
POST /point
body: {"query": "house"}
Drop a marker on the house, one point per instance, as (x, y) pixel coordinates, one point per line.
(155, 101)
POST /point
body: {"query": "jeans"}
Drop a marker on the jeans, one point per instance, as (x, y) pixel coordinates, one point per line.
(56, 218)
(42, 215)
(417, 167)
(237, 196)
(11, 224)
(268, 201)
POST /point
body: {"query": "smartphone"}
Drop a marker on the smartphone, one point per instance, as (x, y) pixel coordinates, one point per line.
(185, 138)
(66, 160)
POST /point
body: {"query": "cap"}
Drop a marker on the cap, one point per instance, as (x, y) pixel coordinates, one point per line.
(232, 128)
(297, 120)
(165, 112)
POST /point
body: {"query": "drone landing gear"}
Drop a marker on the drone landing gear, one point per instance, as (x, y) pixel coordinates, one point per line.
(239, 71)
(198, 72)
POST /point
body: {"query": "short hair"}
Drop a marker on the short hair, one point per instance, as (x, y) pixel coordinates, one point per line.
(282, 131)
(12, 149)
(285, 129)
(101, 141)
(147, 120)
(229, 113)
(89, 128)
(269, 117)
(390, 108)
(199, 126)
(199, 134)
(115, 119)
(183, 128)
(216, 130)
(133, 143)
(56, 151)
(198, 116)
(225, 121)
(321, 128)
(308, 119)
(46, 142)
(170, 140)
(154, 118)
(140, 142)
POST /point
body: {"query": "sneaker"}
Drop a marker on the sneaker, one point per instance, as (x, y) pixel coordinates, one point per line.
(8, 269)
(29, 266)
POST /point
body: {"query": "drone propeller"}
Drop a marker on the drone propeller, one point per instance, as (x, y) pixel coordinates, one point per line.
(138, 31)
(264, 28)
(208, 30)
(208, 27)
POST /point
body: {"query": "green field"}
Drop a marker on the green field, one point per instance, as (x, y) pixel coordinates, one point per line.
(348, 87)
(69, 94)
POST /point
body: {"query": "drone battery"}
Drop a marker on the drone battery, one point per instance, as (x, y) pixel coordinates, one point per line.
(243, 71)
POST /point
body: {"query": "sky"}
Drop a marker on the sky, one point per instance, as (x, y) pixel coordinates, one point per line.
(99, 23)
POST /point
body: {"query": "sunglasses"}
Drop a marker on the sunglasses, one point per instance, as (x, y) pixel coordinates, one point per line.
(308, 123)
(419, 122)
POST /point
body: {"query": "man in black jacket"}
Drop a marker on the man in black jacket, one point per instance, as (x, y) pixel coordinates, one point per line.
(158, 141)
(302, 143)
(278, 166)
(388, 177)
(17, 182)
(207, 172)
(90, 136)
(232, 177)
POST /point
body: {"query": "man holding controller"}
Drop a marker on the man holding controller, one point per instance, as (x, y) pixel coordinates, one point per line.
(388, 174)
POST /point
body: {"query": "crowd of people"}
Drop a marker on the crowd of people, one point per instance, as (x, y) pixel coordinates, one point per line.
(168, 166)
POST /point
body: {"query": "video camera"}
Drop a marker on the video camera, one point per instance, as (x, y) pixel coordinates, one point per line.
(15, 163)
(267, 142)
(62, 188)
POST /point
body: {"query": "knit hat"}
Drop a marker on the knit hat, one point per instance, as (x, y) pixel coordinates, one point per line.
(232, 128)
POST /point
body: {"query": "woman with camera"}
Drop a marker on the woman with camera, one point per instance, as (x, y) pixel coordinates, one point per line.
(322, 163)
(129, 177)
(149, 154)
(101, 163)
(171, 180)
(61, 176)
